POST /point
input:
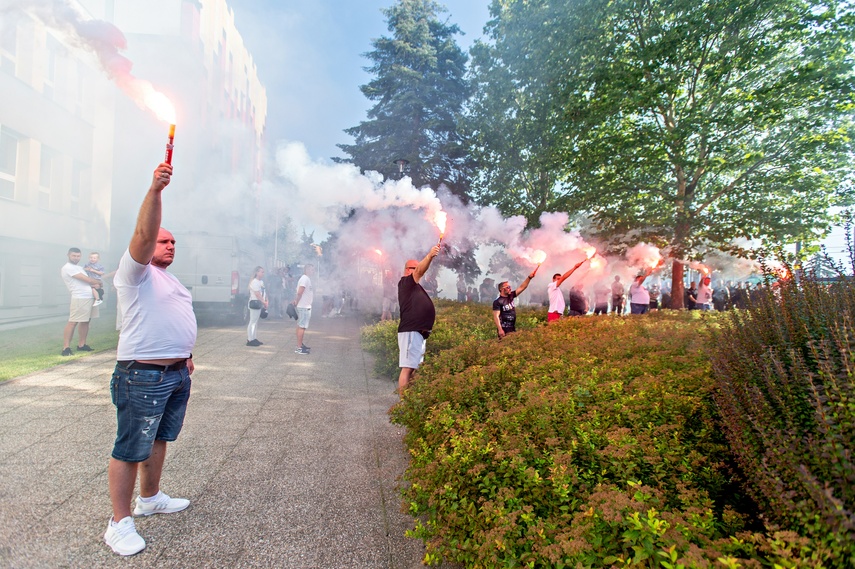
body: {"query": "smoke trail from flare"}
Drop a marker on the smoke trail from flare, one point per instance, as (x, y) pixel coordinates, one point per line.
(102, 39)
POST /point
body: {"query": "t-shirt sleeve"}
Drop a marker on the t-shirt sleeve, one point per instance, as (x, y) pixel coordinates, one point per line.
(129, 272)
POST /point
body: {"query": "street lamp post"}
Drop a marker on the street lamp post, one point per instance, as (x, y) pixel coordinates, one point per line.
(403, 164)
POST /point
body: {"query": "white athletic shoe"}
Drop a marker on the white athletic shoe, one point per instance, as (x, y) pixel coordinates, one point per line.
(122, 537)
(163, 505)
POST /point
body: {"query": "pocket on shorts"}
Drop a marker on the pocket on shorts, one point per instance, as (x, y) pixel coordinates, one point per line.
(145, 378)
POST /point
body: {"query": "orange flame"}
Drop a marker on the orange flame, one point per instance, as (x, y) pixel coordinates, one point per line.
(590, 251)
(596, 263)
(538, 256)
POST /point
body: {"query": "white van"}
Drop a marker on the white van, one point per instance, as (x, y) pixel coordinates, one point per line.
(216, 271)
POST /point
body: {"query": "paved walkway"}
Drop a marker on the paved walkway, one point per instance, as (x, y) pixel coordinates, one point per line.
(288, 460)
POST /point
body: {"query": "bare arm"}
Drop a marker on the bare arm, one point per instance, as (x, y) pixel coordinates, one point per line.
(525, 283)
(424, 264)
(300, 290)
(88, 280)
(497, 323)
(144, 239)
(568, 273)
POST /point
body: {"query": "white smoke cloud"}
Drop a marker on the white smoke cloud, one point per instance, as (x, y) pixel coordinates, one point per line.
(102, 39)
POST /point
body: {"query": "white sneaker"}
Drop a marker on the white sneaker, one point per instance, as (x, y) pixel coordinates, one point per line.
(163, 505)
(97, 302)
(123, 538)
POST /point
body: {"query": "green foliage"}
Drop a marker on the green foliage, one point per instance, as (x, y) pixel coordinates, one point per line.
(591, 442)
(419, 90)
(689, 123)
(456, 325)
(784, 387)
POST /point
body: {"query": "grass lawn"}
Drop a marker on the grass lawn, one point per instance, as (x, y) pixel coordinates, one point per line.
(34, 348)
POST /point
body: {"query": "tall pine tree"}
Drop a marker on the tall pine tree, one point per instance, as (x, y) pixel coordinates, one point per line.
(419, 89)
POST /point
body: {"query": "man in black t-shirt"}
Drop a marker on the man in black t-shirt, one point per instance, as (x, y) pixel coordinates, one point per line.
(504, 307)
(417, 318)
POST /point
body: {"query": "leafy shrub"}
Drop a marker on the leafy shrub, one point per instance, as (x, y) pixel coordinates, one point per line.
(784, 387)
(588, 441)
(591, 442)
(456, 324)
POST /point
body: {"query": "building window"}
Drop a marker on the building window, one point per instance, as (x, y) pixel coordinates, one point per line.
(46, 166)
(8, 162)
(76, 183)
(9, 48)
(52, 55)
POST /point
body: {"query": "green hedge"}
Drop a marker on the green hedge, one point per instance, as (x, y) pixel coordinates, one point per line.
(785, 390)
(590, 442)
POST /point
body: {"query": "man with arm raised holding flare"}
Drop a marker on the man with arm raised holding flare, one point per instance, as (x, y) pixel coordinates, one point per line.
(417, 317)
(504, 307)
(556, 297)
(151, 383)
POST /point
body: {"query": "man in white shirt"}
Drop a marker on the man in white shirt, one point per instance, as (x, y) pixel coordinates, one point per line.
(303, 303)
(150, 386)
(705, 294)
(556, 297)
(639, 298)
(82, 302)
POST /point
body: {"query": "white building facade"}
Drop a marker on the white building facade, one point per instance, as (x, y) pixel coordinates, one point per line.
(76, 154)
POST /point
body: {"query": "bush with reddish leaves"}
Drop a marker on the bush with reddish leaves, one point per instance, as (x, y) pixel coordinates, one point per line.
(591, 442)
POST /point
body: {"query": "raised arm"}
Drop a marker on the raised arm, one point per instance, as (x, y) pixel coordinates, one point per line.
(525, 283)
(424, 264)
(144, 239)
(568, 273)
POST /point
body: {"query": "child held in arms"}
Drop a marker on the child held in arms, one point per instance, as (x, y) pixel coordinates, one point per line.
(94, 269)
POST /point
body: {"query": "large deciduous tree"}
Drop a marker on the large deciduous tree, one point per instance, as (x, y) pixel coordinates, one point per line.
(419, 90)
(690, 123)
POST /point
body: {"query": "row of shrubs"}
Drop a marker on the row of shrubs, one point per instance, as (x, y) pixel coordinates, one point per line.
(599, 442)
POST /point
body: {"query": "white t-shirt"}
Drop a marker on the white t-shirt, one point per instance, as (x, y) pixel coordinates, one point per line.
(157, 313)
(638, 294)
(556, 298)
(255, 286)
(77, 288)
(308, 294)
(704, 294)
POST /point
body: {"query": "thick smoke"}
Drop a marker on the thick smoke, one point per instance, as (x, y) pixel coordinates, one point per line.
(380, 224)
(103, 40)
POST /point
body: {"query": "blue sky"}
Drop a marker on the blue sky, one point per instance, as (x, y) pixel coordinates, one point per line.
(309, 57)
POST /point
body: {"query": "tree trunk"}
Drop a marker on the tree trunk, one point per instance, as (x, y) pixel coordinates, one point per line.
(677, 289)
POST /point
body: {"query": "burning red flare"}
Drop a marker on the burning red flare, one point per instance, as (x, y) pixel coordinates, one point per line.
(590, 251)
(538, 257)
(440, 218)
(161, 106)
(169, 145)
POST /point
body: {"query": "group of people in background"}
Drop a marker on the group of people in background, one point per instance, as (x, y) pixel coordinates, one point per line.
(300, 307)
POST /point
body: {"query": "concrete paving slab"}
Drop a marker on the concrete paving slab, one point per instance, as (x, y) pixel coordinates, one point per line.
(288, 460)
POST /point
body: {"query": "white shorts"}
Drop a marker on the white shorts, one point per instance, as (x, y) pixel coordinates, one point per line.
(411, 349)
(303, 317)
(82, 310)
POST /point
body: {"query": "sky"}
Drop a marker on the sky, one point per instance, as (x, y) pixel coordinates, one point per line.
(310, 58)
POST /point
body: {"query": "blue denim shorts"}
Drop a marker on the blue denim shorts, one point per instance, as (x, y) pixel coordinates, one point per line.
(150, 406)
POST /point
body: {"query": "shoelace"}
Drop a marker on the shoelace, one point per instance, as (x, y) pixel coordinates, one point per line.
(122, 530)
